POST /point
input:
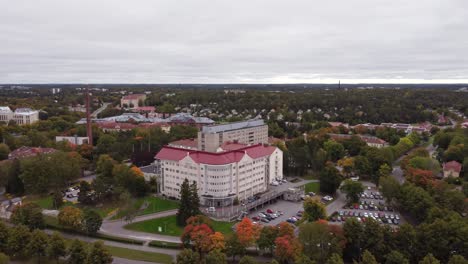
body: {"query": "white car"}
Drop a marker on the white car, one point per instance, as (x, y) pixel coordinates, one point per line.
(275, 183)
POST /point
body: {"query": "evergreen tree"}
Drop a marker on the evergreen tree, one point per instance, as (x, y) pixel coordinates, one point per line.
(185, 205)
(194, 199)
(92, 221)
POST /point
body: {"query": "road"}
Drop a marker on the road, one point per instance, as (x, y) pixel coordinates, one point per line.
(116, 228)
(99, 110)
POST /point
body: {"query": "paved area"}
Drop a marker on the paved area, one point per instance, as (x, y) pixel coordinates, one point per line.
(116, 228)
(288, 209)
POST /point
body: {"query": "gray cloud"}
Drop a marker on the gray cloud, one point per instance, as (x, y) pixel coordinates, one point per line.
(206, 41)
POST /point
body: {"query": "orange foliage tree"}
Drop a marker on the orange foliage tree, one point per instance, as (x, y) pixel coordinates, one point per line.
(247, 232)
(422, 178)
(287, 248)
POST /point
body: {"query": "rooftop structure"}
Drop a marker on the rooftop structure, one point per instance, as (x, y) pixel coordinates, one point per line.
(27, 152)
(452, 169)
(22, 116)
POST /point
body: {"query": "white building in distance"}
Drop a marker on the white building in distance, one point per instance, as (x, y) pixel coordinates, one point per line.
(22, 116)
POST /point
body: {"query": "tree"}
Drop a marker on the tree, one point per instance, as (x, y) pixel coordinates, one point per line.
(335, 259)
(194, 199)
(368, 258)
(4, 234)
(320, 240)
(37, 246)
(56, 248)
(28, 214)
(429, 259)
(77, 253)
(457, 259)
(57, 199)
(91, 222)
(188, 256)
(98, 254)
(19, 235)
(247, 260)
(334, 149)
(215, 257)
(362, 166)
(354, 234)
(304, 260)
(4, 151)
(84, 196)
(330, 180)
(234, 248)
(217, 242)
(266, 240)
(384, 170)
(185, 206)
(70, 217)
(390, 188)
(4, 259)
(287, 248)
(395, 257)
(353, 190)
(314, 210)
(246, 232)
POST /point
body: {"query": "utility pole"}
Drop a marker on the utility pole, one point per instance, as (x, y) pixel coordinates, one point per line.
(89, 131)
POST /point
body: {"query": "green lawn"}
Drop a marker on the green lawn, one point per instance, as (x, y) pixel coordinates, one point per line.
(154, 205)
(312, 187)
(169, 227)
(139, 255)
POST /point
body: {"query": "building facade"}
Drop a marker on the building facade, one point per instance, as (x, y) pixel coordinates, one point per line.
(132, 100)
(22, 116)
(210, 138)
(222, 176)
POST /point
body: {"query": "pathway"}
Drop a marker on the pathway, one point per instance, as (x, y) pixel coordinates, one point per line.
(116, 228)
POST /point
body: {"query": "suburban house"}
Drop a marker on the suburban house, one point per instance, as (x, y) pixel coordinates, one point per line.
(452, 169)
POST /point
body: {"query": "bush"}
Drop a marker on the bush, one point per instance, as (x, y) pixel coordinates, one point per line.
(162, 244)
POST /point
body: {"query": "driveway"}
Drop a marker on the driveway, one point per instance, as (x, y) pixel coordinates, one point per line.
(116, 228)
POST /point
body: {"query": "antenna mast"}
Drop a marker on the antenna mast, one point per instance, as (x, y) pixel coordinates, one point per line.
(89, 131)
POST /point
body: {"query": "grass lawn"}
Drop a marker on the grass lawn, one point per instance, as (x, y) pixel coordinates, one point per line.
(154, 205)
(312, 187)
(170, 228)
(139, 255)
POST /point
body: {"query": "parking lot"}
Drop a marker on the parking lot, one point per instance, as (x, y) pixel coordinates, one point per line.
(370, 206)
(71, 194)
(287, 208)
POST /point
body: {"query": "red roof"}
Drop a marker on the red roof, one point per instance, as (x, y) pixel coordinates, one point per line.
(452, 166)
(220, 158)
(25, 152)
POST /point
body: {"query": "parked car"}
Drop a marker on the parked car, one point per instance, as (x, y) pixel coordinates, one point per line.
(265, 220)
(269, 211)
(256, 218)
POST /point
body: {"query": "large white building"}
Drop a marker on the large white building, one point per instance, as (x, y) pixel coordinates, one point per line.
(5, 114)
(235, 171)
(22, 116)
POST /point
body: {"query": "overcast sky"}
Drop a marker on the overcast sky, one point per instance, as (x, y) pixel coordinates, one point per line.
(236, 41)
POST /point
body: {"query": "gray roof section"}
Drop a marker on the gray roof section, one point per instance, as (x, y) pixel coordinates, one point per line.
(233, 126)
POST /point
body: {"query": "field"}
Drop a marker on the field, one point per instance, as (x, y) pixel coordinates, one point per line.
(169, 227)
(312, 187)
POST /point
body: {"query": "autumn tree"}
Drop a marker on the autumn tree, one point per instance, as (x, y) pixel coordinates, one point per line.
(287, 248)
(245, 231)
(70, 217)
(314, 210)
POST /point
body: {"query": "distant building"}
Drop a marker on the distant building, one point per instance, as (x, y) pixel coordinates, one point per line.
(27, 152)
(7, 207)
(132, 100)
(5, 114)
(210, 138)
(452, 169)
(191, 144)
(370, 141)
(22, 116)
(75, 140)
